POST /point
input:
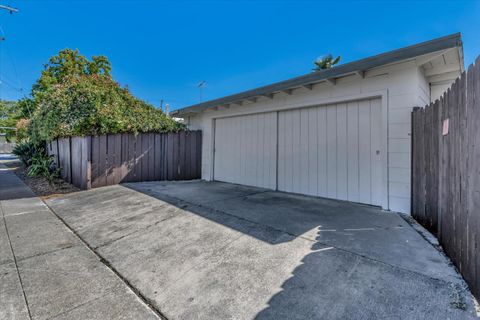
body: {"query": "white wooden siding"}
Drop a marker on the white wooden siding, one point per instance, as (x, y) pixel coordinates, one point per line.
(245, 150)
(331, 151)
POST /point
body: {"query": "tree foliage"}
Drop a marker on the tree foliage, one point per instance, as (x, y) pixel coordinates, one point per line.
(70, 63)
(76, 96)
(8, 118)
(326, 62)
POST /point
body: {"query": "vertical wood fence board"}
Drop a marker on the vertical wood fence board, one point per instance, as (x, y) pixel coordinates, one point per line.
(427, 167)
(84, 152)
(436, 133)
(157, 157)
(142, 139)
(95, 161)
(176, 154)
(456, 204)
(170, 150)
(148, 152)
(123, 159)
(88, 162)
(165, 156)
(462, 169)
(110, 160)
(181, 156)
(470, 268)
(103, 162)
(76, 157)
(67, 158)
(138, 158)
(447, 216)
(188, 155)
(414, 146)
(131, 158)
(151, 156)
(195, 146)
(198, 153)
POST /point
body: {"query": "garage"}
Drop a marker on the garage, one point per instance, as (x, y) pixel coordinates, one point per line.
(341, 133)
(333, 151)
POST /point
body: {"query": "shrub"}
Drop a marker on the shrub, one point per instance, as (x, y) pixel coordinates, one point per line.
(43, 165)
(26, 150)
(93, 105)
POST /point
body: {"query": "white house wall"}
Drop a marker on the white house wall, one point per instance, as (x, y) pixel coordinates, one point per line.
(399, 85)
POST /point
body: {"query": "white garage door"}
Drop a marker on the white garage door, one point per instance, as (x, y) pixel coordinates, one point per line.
(333, 151)
(245, 150)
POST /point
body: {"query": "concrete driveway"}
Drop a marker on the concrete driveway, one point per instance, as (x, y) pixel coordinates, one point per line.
(208, 250)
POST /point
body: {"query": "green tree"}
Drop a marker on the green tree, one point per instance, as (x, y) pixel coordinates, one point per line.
(325, 62)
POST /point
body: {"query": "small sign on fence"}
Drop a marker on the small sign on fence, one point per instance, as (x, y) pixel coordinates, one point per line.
(445, 127)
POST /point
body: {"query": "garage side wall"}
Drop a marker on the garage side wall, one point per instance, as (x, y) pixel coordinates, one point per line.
(399, 85)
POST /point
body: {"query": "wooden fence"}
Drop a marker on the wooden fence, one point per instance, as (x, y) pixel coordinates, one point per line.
(97, 161)
(446, 172)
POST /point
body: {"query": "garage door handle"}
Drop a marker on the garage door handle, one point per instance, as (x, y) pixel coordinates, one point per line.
(378, 152)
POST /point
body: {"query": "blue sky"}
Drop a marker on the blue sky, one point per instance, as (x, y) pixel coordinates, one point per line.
(162, 49)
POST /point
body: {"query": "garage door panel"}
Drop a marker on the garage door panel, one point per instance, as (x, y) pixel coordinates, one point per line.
(322, 156)
(245, 150)
(331, 151)
(312, 142)
(352, 152)
(296, 165)
(341, 160)
(251, 155)
(304, 149)
(335, 155)
(377, 187)
(285, 172)
(364, 141)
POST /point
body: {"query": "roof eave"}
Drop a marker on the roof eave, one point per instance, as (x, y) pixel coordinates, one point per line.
(406, 53)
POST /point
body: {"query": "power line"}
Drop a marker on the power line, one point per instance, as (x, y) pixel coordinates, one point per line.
(8, 8)
(12, 86)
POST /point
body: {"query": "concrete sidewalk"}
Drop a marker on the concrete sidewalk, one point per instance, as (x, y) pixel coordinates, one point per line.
(47, 272)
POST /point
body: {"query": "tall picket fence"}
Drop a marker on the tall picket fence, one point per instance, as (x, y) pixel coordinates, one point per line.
(97, 161)
(446, 172)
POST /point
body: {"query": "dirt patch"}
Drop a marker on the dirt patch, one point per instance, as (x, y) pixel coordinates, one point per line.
(39, 185)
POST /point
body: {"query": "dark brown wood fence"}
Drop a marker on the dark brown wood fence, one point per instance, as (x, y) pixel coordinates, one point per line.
(97, 161)
(446, 172)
